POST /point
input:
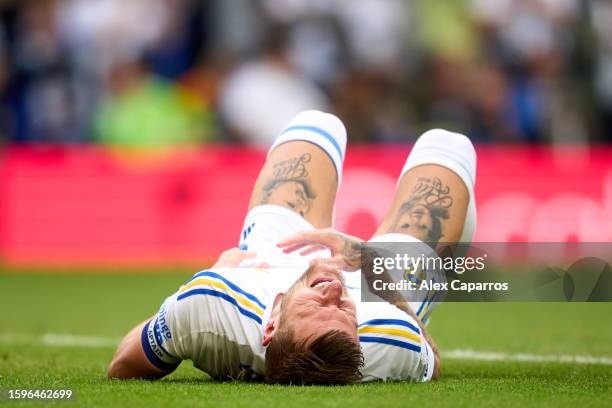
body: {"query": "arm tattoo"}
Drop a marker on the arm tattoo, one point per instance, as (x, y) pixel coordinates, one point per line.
(289, 185)
(421, 215)
(352, 252)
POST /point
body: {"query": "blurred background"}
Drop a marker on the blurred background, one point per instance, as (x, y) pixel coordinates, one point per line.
(158, 72)
(529, 81)
(132, 131)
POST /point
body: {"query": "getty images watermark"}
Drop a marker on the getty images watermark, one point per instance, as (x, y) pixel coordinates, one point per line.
(490, 272)
(413, 266)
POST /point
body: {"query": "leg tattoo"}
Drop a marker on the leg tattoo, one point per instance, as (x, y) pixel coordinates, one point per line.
(421, 215)
(289, 185)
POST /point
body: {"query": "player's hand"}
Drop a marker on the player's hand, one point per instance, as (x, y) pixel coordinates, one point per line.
(233, 257)
(345, 249)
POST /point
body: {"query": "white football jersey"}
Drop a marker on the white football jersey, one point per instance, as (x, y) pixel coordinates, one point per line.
(216, 319)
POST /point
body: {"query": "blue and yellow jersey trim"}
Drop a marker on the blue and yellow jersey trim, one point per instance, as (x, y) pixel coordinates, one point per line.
(394, 332)
(209, 283)
(425, 308)
(154, 350)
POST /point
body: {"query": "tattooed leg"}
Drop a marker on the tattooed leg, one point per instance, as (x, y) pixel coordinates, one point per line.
(300, 176)
(430, 204)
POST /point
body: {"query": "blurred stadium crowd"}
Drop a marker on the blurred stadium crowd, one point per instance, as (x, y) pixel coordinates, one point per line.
(159, 72)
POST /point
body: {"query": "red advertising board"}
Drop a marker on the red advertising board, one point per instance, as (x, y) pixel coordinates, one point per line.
(80, 206)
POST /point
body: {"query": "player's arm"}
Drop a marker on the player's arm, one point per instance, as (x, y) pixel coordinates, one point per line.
(345, 249)
(130, 360)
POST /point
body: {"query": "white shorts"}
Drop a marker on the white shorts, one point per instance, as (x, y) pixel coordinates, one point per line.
(265, 226)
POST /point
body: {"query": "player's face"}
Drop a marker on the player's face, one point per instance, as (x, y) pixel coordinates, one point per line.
(416, 222)
(318, 302)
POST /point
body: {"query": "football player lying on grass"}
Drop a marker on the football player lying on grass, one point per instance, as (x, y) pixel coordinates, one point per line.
(285, 307)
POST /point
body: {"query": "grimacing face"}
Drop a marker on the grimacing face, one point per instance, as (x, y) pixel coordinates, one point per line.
(316, 303)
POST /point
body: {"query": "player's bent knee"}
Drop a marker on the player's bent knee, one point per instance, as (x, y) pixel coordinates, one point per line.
(299, 172)
(440, 140)
(447, 138)
(448, 149)
(322, 129)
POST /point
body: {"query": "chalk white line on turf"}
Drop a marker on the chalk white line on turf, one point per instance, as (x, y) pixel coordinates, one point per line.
(72, 340)
(467, 354)
(60, 340)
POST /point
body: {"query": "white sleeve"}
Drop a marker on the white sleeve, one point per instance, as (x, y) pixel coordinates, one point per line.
(156, 338)
(393, 347)
(213, 321)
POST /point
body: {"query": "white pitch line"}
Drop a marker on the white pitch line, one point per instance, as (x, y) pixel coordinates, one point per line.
(71, 340)
(60, 340)
(467, 354)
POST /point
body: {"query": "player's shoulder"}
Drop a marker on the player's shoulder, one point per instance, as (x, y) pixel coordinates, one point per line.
(383, 323)
(392, 343)
(229, 289)
(244, 287)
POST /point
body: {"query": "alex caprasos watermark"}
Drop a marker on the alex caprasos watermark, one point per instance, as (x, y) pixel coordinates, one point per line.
(490, 272)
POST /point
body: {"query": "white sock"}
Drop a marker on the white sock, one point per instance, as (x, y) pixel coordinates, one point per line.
(323, 129)
(455, 152)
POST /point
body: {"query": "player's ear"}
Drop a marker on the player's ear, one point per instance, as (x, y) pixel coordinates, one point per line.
(273, 323)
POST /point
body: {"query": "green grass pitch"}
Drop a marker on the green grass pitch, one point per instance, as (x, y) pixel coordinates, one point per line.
(106, 306)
